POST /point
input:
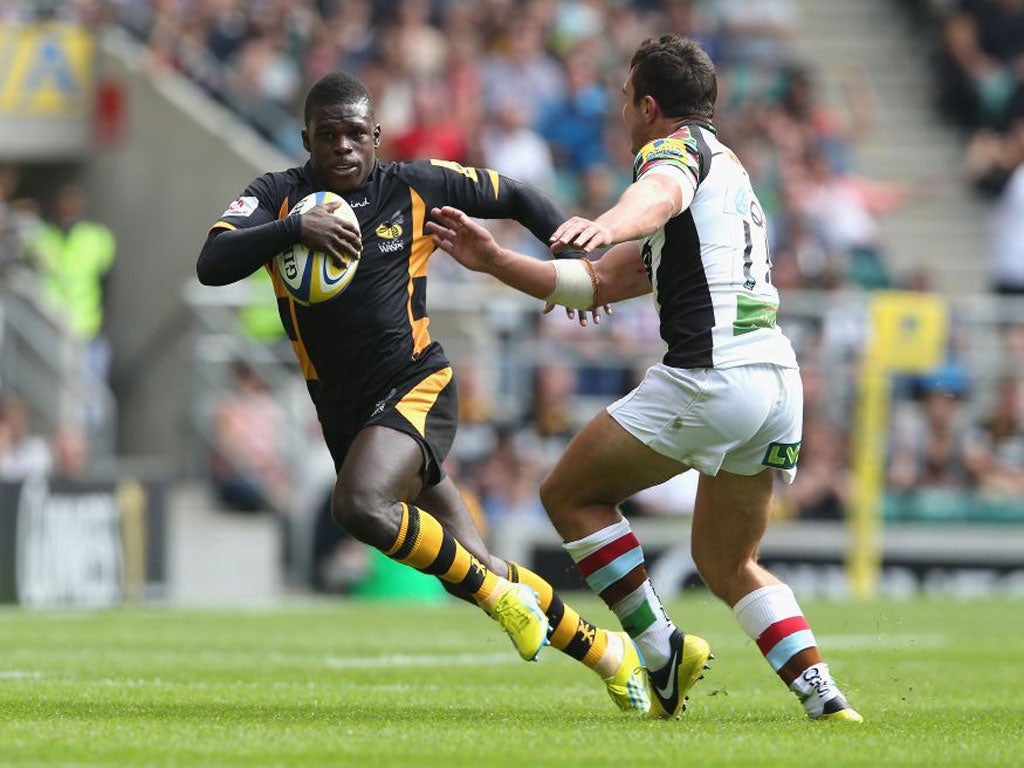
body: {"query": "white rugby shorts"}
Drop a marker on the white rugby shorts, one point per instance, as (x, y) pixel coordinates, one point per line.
(741, 419)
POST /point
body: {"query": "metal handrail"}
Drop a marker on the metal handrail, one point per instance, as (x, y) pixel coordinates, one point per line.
(43, 362)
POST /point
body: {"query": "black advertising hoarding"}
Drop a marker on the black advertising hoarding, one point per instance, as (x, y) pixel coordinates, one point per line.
(81, 543)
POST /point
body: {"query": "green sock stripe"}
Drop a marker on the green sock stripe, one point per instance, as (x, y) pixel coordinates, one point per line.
(639, 620)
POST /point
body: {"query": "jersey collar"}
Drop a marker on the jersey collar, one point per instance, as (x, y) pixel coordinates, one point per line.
(705, 124)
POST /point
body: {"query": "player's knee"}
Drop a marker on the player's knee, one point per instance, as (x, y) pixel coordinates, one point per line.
(553, 494)
(365, 517)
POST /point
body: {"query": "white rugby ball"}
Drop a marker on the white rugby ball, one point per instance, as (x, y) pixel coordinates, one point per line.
(311, 277)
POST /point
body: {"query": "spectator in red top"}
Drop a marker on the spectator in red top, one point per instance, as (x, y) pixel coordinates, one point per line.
(434, 133)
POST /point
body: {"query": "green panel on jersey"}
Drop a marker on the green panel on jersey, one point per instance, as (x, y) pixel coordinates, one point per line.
(782, 455)
(752, 314)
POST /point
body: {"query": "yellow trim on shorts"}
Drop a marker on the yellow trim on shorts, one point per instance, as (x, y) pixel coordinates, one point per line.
(420, 399)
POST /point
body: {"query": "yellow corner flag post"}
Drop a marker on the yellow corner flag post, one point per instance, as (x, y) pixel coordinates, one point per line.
(907, 334)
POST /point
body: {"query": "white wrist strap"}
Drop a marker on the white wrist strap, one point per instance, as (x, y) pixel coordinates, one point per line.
(575, 284)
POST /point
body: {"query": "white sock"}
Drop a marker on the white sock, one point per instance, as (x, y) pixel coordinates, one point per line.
(502, 586)
(653, 643)
(612, 657)
(608, 556)
(588, 545)
(773, 619)
(815, 687)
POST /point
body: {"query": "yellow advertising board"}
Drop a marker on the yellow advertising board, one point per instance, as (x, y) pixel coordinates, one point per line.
(46, 70)
(908, 334)
(908, 331)
(47, 87)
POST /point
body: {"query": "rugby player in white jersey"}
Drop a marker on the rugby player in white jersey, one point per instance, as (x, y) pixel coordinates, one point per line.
(726, 400)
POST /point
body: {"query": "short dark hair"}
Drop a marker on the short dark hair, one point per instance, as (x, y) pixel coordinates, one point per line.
(335, 88)
(677, 73)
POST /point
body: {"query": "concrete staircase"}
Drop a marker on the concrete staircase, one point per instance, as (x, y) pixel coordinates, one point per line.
(218, 558)
(947, 234)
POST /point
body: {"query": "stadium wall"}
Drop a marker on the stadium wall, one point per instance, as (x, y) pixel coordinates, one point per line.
(181, 160)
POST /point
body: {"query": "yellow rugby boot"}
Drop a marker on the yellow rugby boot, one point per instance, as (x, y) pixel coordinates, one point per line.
(821, 697)
(519, 614)
(669, 685)
(839, 709)
(628, 686)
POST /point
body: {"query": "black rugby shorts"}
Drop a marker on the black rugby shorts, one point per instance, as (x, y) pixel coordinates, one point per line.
(425, 407)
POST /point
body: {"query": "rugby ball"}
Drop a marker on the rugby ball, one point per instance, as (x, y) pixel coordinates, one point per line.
(311, 277)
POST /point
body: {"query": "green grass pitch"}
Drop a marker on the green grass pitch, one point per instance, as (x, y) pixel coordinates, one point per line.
(940, 682)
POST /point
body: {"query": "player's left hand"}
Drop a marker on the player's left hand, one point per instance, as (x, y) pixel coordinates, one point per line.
(581, 233)
(571, 313)
(323, 231)
(469, 244)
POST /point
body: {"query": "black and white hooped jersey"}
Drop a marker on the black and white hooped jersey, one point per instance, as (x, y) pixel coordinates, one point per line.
(709, 265)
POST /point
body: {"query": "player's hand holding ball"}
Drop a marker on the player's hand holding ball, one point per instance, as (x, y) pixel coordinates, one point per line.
(331, 227)
(321, 266)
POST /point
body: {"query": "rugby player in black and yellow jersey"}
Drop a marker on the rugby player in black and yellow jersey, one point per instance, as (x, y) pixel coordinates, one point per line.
(384, 390)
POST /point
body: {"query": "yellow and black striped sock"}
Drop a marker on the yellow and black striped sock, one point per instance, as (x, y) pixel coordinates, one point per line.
(423, 544)
(570, 633)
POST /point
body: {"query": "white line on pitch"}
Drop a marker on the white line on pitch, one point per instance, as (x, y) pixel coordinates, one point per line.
(19, 674)
(882, 641)
(435, 660)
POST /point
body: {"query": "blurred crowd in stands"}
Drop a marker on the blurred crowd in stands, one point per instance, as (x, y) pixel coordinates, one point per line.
(52, 253)
(532, 88)
(979, 74)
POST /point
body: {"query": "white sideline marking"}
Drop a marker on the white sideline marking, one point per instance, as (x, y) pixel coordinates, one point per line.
(852, 642)
(883, 641)
(235, 685)
(432, 660)
(19, 674)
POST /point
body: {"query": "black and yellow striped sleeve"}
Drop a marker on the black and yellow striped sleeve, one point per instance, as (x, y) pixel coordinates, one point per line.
(486, 194)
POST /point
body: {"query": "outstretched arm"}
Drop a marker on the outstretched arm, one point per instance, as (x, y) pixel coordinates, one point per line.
(576, 283)
(486, 194)
(476, 249)
(645, 206)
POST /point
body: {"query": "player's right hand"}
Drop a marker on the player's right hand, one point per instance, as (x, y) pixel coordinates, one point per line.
(581, 233)
(323, 231)
(469, 244)
(571, 313)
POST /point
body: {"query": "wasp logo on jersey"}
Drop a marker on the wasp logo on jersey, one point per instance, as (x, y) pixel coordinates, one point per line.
(392, 228)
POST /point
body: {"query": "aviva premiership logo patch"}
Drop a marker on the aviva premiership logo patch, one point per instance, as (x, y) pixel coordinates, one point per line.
(680, 151)
(782, 455)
